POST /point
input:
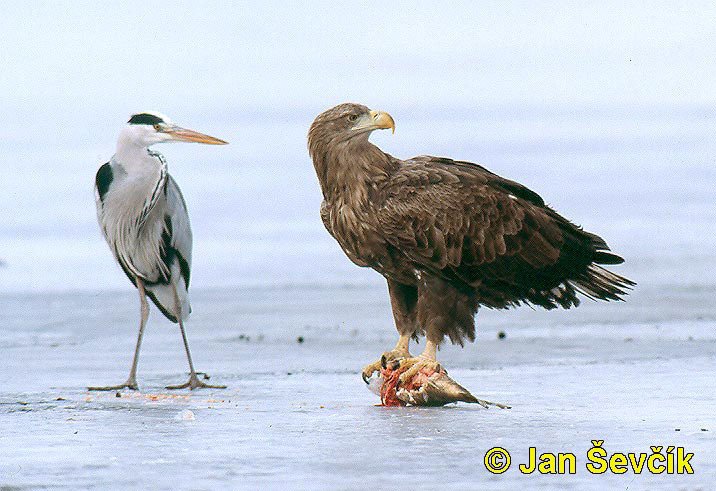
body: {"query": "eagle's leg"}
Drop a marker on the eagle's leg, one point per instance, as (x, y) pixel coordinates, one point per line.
(443, 310)
(426, 360)
(131, 382)
(400, 352)
(403, 300)
(193, 382)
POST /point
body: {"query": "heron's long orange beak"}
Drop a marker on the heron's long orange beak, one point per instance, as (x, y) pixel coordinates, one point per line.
(186, 135)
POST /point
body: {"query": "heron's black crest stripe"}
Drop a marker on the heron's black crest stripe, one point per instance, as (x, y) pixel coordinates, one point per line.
(103, 180)
(145, 118)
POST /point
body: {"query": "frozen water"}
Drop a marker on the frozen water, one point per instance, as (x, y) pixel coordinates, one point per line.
(298, 415)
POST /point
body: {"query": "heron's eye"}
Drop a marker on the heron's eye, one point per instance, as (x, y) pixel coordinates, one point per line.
(157, 126)
(352, 118)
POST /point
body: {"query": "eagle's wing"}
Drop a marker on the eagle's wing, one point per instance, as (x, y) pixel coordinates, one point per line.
(326, 218)
(473, 228)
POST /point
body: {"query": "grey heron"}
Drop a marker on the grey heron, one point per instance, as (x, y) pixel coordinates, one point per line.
(143, 217)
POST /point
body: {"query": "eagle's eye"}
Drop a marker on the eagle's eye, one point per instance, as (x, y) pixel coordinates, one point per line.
(352, 118)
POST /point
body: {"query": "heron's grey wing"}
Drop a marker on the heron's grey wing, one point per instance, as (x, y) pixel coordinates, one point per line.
(103, 180)
(181, 237)
(176, 255)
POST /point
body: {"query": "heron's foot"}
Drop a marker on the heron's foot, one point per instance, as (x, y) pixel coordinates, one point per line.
(130, 384)
(387, 357)
(412, 366)
(195, 383)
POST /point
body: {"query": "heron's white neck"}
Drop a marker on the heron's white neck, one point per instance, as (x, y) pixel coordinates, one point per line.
(133, 155)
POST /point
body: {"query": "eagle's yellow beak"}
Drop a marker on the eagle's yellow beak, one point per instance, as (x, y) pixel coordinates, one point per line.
(382, 120)
(186, 135)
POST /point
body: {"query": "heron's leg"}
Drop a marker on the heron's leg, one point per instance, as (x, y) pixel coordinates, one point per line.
(403, 299)
(131, 382)
(193, 382)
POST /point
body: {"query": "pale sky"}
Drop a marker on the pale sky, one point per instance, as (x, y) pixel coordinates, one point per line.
(110, 56)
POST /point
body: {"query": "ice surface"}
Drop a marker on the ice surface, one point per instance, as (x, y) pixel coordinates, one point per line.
(298, 415)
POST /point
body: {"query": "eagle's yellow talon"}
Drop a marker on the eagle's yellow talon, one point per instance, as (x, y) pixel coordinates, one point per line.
(414, 366)
(388, 356)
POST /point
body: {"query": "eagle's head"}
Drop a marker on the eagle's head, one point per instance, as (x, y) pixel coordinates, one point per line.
(339, 146)
(347, 122)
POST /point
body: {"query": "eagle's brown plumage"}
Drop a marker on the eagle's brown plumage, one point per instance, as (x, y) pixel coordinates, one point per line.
(449, 236)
